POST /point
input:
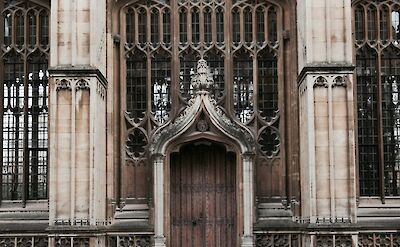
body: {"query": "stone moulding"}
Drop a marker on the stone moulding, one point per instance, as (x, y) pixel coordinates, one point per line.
(202, 102)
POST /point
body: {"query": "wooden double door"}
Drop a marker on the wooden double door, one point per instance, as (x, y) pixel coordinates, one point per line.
(203, 197)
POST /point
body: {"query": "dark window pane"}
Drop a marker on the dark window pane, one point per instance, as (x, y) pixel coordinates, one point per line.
(219, 13)
(391, 120)
(260, 26)
(207, 26)
(359, 23)
(19, 29)
(267, 85)
(44, 29)
(216, 65)
(161, 85)
(243, 89)
(272, 25)
(167, 26)
(32, 29)
(37, 126)
(188, 63)
(13, 128)
(130, 27)
(372, 27)
(248, 26)
(367, 122)
(136, 77)
(154, 27)
(236, 26)
(195, 26)
(183, 25)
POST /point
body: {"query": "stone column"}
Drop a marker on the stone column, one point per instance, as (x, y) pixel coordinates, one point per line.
(77, 138)
(158, 178)
(327, 151)
(248, 200)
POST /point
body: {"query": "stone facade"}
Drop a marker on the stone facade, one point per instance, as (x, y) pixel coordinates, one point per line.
(85, 206)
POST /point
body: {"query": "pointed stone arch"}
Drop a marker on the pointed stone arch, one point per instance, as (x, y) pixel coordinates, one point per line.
(200, 104)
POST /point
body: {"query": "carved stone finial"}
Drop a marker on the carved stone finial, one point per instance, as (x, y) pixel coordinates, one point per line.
(203, 80)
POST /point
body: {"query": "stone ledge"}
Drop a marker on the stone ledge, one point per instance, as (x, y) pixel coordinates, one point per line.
(324, 68)
(78, 71)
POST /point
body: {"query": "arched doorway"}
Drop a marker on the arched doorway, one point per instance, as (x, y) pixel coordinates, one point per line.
(203, 199)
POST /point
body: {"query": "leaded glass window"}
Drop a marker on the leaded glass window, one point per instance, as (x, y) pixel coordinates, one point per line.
(376, 33)
(24, 49)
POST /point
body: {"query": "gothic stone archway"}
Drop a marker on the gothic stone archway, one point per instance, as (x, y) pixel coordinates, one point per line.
(202, 109)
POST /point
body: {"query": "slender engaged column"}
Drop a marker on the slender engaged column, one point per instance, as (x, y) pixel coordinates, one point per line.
(158, 169)
(248, 200)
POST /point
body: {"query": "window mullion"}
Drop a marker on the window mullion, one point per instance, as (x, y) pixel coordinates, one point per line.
(174, 59)
(148, 89)
(228, 61)
(380, 128)
(25, 170)
(1, 96)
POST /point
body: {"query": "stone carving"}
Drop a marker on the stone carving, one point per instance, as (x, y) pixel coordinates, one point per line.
(343, 240)
(378, 239)
(63, 241)
(24, 241)
(203, 80)
(81, 242)
(324, 240)
(279, 239)
(134, 241)
(135, 144)
(101, 90)
(41, 241)
(63, 84)
(202, 125)
(339, 82)
(7, 241)
(321, 82)
(82, 84)
(216, 113)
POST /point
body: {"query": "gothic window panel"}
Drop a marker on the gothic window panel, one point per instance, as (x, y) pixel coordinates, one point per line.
(378, 68)
(147, 53)
(215, 61)
(267, 85)
(136, 85)
(359, 24)
(390, 75)
(161, 85)
(372, 23)
(24, 83)
(243, 86)
(188, 62)
(367, 121)
(240, 42)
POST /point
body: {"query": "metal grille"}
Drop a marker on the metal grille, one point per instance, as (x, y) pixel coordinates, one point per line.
(24, 110)
(378, 74)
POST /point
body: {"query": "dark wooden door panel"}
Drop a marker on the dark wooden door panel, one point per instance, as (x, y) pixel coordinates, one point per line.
(203, 197)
